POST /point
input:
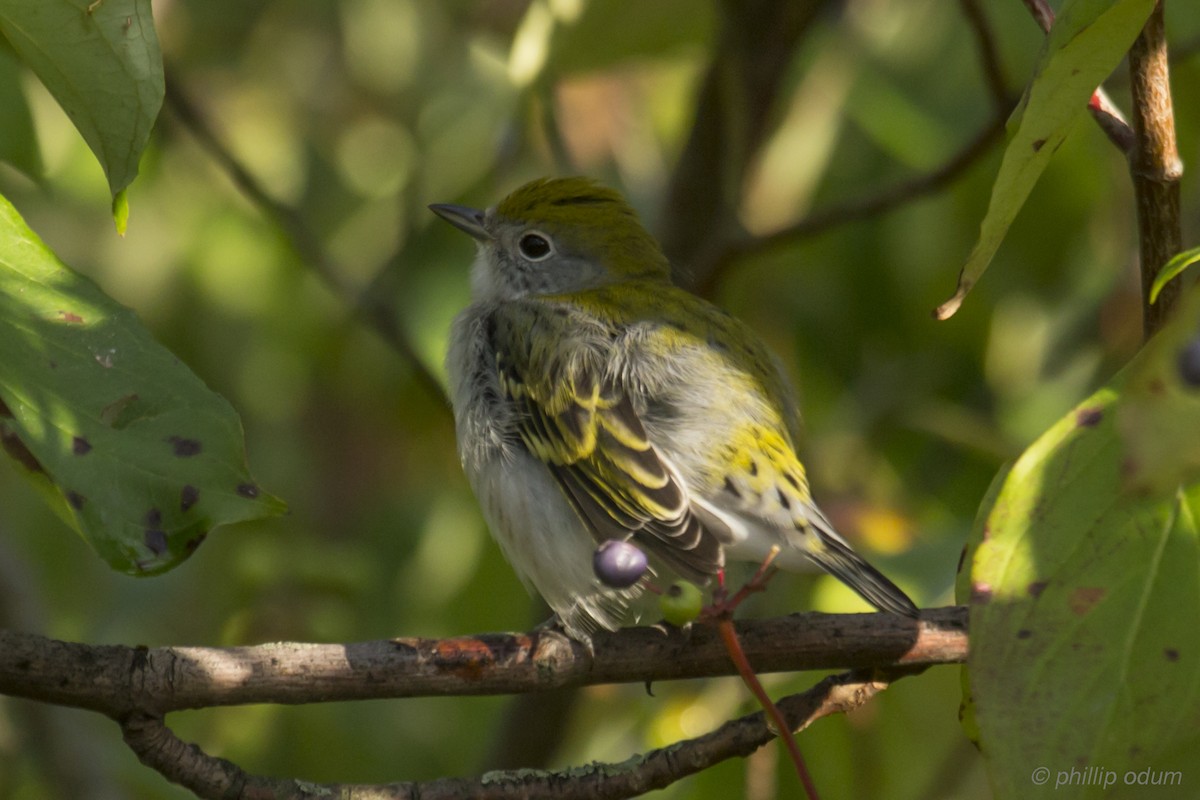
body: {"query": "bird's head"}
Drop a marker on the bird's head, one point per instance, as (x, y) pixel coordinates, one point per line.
(555, 236)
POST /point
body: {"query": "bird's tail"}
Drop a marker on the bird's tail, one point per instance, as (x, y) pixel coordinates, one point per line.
(836, 558)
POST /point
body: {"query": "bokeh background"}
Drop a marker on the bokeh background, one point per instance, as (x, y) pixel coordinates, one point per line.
(356, 115)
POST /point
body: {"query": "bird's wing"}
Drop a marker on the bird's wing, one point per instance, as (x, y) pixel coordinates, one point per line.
(581, 423)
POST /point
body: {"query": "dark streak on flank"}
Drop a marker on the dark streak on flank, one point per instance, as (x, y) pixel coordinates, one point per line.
(731, 488)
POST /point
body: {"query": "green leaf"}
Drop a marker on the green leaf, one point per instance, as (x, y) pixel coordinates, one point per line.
(1159, 420)
(102, 63)
(1081, 652)
(1088, 40)
(18, 142)
(1172, 268)
(120, 211)
(135, 450)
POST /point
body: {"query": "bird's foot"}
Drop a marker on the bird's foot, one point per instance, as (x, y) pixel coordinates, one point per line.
(724, 604)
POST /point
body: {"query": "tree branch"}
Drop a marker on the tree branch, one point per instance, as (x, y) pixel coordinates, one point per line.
(859, 208)
(1155, 166)
(138, 686)
(119, 680)
(158, 748)
(734, 115)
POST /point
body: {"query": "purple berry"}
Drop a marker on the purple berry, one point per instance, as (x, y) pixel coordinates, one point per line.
(619, 564)
(1189, 362)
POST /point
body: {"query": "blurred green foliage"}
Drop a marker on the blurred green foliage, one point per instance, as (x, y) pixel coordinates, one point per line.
(361, 112)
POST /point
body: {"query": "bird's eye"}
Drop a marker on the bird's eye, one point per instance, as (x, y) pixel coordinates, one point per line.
(534, 246)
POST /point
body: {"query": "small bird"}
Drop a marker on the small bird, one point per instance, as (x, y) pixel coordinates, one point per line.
(595, 400)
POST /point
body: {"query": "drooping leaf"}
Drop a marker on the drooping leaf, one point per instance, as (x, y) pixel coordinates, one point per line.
(1080, 655)
(133, 449)
(1088, 40)
(18, 142)
(101, 61)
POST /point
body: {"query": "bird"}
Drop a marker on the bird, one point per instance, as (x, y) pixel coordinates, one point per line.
(596, 400)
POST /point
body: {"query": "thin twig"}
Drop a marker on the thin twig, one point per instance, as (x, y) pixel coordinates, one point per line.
(296, 232)
(1042, 13)
(859, 208)
(989, 57)
(1104, 111)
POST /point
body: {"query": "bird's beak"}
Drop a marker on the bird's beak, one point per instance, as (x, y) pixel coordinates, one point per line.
(468, 220)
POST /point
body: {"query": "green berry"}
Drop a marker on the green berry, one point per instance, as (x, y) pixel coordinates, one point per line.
(681, 603)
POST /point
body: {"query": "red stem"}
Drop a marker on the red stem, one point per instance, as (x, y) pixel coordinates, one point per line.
(730, 638)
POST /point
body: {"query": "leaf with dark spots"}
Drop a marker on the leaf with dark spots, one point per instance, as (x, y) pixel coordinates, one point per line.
(247, 490)
(133, 414)
(981, 593)
(1038, 144)
(188, 496)
(153, 518)
(1159, 421)
(1090, 582)
(156, 541)
(191, 544)
(1084, 598)
(4, 412)
(183, 447)
(1171, 653)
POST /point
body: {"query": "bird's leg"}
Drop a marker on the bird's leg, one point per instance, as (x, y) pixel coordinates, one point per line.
(723, 605)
